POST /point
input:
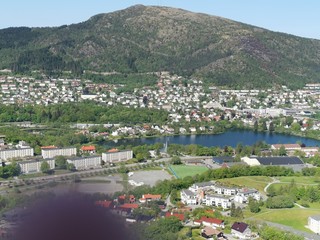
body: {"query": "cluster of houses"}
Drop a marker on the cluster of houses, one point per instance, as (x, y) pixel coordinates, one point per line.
(87, 158)
(217, 195)
(125, 206)
(183, 98)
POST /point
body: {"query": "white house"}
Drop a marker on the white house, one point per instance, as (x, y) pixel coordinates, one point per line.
(188, 197)
(314, 223)
(225, 190)
(241, 230)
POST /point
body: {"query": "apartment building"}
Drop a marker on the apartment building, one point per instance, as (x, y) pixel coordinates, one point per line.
(52, 152)
(114, 155)
(82, 163)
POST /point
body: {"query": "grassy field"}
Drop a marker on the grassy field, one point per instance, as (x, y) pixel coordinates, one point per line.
(183, 170)
(300, 180)
(296, 218)
(257, 182)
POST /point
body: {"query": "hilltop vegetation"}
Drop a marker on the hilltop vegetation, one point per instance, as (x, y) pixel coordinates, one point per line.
(144, 39)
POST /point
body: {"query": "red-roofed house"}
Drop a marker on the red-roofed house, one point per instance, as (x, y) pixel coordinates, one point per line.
(105, 204)
(149, 197)
(124, 198)
(88, 149)
(129, 206)
(180, 216)
(210, 222)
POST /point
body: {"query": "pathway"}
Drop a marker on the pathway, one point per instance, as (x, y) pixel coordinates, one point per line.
(274, 180)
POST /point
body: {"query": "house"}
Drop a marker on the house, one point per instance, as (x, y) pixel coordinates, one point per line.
(209, 232)
(105, 204)
(149, 197)
(124, 198)
(241, 230)
(88, 149)
(314, 223)
(210, 222)
(180, 216)
(188, 197)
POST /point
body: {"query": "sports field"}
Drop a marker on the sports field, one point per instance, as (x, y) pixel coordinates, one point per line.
(181, 171)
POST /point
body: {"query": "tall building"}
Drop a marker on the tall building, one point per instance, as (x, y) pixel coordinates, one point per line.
(34, 166)
(51, 152)
(114, 155)
(16, 153)
(82, 163)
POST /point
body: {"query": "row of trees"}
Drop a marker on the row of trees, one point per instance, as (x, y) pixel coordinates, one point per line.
(80, 112)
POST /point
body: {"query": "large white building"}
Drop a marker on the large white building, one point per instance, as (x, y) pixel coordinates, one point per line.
(34, 166)
(85, 162)
(244, 194)
(218, 201)
(188, 197)
(117, 156)
(54, 151)
(16, 153)
(314, 223)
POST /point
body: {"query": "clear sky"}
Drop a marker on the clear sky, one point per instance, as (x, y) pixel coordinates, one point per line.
(298, 17)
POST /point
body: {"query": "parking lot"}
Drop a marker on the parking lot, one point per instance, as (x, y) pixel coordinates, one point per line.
(150, 177)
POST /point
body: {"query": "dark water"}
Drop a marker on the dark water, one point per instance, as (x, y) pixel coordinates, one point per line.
(229, 138)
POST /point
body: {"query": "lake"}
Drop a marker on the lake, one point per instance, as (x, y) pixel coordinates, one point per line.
(229, 138)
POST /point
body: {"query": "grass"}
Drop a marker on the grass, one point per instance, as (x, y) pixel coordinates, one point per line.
(257, 182)
(296, 218)
(184, 170)
(300, 180)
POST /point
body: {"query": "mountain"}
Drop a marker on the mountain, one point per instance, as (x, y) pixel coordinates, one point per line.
(144, 39)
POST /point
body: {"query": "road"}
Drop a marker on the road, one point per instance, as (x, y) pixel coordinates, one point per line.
(98, 170)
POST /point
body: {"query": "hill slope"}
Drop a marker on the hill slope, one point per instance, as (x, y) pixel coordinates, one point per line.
(144, 39)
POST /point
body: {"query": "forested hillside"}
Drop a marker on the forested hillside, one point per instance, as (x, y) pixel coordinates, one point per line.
(145, 39)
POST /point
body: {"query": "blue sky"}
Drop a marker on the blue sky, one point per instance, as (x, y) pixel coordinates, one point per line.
(298, 17)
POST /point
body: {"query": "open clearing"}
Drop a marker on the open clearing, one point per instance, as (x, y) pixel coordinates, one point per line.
(185, 170)
(257, 182)
(150, 177)
(294, 217)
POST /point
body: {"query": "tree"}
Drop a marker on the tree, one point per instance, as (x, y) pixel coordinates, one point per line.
(61, 162)
(255, 126)
(271, 127)
(45, 167)
(175, 160)
(71, 167)
(282, 151)
(254, 205)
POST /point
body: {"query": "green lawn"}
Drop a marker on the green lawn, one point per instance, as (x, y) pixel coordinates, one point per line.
(257, 182)
(296, 218)
(183, 170)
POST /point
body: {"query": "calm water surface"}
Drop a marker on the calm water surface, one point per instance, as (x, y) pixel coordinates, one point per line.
(229, 138)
